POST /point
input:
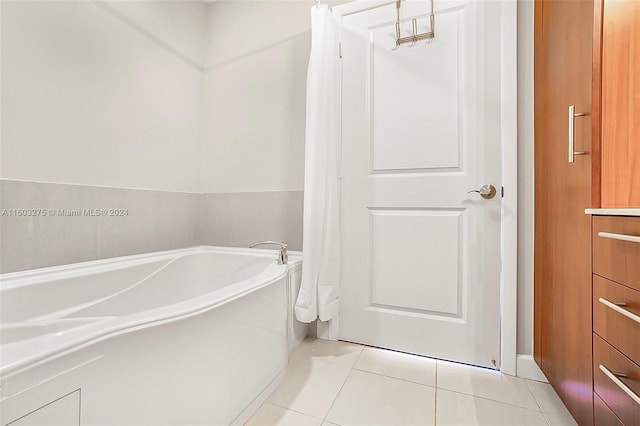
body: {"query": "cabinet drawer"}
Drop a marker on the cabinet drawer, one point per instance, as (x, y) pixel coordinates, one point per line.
(602, 415)
(620, 393)
(617, 324)
(616, 249)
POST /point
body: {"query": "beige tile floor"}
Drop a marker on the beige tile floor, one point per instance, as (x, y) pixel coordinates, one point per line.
(338, 383)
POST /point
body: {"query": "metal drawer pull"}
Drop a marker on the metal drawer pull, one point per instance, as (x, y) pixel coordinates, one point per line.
(572, 122)
(619, 307)
(626, 389)
(621, 237)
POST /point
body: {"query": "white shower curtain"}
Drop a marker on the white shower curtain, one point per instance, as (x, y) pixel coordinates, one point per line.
(318, 297)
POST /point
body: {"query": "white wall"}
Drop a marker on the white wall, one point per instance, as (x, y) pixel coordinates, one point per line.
(254, 95)
(256, 59)
(102, 93)
(179, 25)
(525, 177)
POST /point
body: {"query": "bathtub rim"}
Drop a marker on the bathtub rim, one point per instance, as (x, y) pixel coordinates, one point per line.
(10, 280)
(79, 339)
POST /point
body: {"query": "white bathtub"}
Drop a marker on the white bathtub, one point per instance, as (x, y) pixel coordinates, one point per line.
(185, 337)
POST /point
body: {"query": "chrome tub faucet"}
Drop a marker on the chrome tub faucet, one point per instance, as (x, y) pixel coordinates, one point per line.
(283, 257)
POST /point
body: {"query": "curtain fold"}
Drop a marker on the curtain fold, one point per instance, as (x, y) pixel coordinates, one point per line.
(319, 292)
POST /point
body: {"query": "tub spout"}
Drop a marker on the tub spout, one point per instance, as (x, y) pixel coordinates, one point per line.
(283, 257)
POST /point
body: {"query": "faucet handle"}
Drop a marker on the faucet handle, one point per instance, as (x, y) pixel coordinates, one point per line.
(283, 257)
(269, 242)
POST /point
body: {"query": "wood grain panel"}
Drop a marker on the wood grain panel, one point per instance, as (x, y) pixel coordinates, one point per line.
(563, 77)
(621, 104)
(617, 329)
(614, 259)
(603, 416)
(596, 109)
(620, 403)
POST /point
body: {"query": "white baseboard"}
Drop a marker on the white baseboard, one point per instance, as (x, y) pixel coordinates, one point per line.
(327, 330)
(527, 368)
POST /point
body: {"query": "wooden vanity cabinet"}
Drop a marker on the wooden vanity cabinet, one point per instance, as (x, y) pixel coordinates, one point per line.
(616, 239)
(620, 103)
(616, 317)
(587, 55)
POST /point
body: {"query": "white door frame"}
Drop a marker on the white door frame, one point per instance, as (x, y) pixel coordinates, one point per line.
(509, 149)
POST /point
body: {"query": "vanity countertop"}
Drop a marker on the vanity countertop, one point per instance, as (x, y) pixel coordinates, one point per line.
(613, 212)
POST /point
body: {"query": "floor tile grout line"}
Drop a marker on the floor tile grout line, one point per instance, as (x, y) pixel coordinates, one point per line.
(542, 410)
(288, 409)
(534, 397)
(361, 349)
(531, 393)
(387, 375)
(394, 377)
(375, 374)
(492, 400)
(324, 419)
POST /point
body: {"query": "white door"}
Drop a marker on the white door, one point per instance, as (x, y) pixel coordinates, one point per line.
(421, 128)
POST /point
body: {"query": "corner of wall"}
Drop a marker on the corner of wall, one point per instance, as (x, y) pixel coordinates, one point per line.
(525, 177)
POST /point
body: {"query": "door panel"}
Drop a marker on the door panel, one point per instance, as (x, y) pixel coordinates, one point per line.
(400, 254)
(421, 128)
(404, 109)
